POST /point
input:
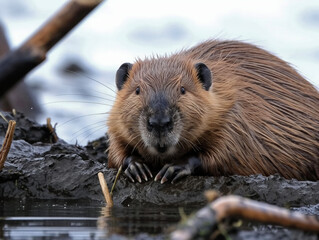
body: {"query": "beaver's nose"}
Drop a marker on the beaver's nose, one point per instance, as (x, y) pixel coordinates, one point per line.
(159, 123)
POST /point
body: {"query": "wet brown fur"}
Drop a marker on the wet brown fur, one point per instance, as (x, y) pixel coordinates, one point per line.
(259, 117)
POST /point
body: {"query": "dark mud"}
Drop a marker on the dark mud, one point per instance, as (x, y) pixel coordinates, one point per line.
(37, 168)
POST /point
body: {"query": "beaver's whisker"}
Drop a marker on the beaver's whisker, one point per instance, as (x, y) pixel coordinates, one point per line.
(190, 143)
(130, 142)
(85, 95)
(179, 143)
(89, 127)
(94, 80)
(86, 102)
(185, 143)
(103, 93)
(136, 145)
(122, 122)
(82, 116)
(87, 136)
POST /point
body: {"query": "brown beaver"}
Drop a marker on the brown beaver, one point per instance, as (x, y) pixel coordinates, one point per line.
(221, 108)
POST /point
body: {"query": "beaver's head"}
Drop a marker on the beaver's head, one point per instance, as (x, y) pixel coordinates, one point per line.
(162, 104)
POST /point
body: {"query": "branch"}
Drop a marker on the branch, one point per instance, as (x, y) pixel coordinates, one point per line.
(52, 130)
(105, 190)
(7, 143)
(115, 180)
(206, 220)
(18, 63)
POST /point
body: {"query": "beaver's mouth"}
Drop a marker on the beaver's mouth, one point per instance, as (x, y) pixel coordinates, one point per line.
(161, 148)
(160, 139)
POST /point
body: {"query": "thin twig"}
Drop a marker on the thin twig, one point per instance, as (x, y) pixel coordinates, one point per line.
(52, 130)
(7, 143)
(115, 180)
(182, 214)
(105, 190)
(3, 117)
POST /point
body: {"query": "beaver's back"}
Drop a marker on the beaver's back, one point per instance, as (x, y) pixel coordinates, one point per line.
(273, 123)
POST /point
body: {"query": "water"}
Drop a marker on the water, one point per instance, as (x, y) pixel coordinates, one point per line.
(58, 219)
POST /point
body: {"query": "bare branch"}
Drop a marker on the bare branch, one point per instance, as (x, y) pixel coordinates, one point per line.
(7, 143)
(206, 220)
(18, 63)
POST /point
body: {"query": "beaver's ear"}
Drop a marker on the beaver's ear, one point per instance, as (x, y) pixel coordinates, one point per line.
(204, 75)
(122, 74)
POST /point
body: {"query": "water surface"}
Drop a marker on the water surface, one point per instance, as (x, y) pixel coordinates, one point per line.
(58, 219)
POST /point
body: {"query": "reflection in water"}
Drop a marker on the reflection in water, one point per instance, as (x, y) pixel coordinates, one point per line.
(49, 228)
(132, 221)
(82, 220)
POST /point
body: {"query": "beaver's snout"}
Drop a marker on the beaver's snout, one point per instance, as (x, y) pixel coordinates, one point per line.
(160, 124)
(159, 120)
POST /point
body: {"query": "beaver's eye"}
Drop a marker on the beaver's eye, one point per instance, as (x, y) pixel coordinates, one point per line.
(183, 91)
(137, 91)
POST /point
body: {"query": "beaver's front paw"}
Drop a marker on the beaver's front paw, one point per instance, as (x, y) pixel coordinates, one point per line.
(173, 173)
(134, 169)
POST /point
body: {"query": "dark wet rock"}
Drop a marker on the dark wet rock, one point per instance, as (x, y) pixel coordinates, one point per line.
(26, 129)
(38, 168)
(97, 149)
(48, 171)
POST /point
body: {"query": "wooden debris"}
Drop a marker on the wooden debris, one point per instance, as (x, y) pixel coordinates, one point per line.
(7, 143)
(52, 130)
(16, 64)
(105, 190)
(115, 180)
(3, 117)
(206, 220)
(4, 45)
(211, 195)
(10, 100)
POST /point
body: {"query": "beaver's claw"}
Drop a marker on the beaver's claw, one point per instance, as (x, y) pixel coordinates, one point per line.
(172, 172)
(134, 170)
(176, 172)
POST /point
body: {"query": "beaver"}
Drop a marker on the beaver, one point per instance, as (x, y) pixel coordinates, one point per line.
(220, 108)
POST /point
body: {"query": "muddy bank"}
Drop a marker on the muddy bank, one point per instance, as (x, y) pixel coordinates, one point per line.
(38, 168)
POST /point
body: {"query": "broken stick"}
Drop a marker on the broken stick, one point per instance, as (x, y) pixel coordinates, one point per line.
(7, 143)
(18, 63)
(105, 190)
(52, 130)
(116, 178)
(203, 223)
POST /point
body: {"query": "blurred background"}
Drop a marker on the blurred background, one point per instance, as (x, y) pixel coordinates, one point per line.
(66, 86)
